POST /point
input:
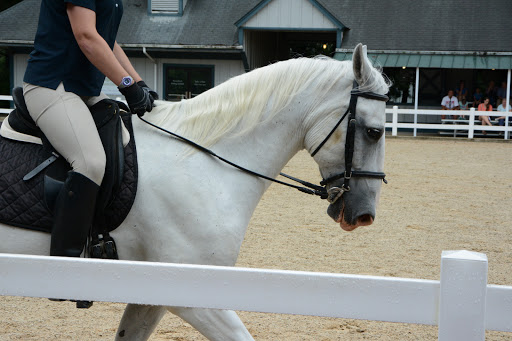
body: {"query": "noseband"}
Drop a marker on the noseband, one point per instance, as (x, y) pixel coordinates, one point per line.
(334, 193)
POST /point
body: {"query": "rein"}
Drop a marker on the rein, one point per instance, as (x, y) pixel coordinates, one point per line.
(313, 189)
(333, 193)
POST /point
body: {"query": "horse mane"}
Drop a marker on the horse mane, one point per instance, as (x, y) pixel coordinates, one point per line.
(239, 104)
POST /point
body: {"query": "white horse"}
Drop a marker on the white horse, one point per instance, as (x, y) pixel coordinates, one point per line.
(192, 208)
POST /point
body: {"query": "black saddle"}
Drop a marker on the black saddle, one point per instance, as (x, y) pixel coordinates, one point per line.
(32, 175)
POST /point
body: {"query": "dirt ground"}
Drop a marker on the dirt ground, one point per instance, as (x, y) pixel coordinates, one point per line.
(442, 195)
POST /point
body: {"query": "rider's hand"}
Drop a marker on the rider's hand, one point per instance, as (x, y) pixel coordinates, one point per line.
(152, 93)
(138, 100)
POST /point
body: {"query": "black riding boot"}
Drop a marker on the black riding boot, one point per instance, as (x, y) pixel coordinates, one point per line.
(74, 212)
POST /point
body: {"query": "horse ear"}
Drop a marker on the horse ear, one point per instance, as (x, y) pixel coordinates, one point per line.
(362, 68)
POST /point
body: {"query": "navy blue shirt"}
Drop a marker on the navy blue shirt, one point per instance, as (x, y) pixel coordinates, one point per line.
(57, 57)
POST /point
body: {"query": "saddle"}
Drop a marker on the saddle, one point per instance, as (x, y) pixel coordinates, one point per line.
(32, 173)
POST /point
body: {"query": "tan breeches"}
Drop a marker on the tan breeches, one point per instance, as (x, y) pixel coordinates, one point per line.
(65, 119)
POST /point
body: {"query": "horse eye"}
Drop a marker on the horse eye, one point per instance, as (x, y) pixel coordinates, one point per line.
(374, 133)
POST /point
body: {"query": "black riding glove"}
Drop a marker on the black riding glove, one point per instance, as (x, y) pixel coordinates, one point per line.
(138, 100)
(152, 93)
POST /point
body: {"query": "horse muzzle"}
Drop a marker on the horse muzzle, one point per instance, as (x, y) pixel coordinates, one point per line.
(349, 209)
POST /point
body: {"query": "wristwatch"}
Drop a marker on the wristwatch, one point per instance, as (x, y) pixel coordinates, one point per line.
(126, 82)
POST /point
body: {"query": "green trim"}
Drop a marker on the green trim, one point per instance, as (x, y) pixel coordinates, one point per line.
(251, 13)
(328, 14)
(339, 33)
(437, 61)
(290, 29)
(315, 4)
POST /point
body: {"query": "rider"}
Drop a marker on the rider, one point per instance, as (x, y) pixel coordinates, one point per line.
(74, 49)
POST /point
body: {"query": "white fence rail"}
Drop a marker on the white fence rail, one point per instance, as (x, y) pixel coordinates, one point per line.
(461, 303)
(5, 98)
(470, 125)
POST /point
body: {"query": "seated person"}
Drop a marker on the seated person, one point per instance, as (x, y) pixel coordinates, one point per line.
(477, 97)
(461, 91)
(485, 106)
(501, 93)
(501, 108)
(463, 105)
(449, 102)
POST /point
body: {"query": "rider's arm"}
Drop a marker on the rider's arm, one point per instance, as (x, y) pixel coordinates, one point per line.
(94, 47)
(125, 62)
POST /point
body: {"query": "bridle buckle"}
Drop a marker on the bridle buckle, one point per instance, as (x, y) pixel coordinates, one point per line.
(334, 193)
(348, 176)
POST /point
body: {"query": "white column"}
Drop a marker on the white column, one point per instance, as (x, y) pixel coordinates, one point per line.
(471, 131)
(462, 296)
(394, 127)
(508, 103)
(416, 89)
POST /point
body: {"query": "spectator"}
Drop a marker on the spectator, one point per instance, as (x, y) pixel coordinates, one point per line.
(477, 97)
(491, 93)
(485, 106)
(501, 108)
(501, 93)
(449, 102)
(461, 91)
(463, 104)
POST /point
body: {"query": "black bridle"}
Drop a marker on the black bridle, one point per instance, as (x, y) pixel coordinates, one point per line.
(334, 193)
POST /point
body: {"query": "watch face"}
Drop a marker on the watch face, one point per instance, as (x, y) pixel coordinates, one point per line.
(127, 81)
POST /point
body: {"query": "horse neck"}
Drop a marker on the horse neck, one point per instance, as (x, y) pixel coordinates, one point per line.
(270, 145)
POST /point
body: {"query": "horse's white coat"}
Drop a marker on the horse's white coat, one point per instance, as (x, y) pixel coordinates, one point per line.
(192, 208)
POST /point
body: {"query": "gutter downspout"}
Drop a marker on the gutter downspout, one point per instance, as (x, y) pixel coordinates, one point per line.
(155, 83)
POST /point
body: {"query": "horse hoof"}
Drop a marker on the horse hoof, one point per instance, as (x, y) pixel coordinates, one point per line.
(83, 304)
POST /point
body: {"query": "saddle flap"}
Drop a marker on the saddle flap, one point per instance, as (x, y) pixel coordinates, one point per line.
(19, 119)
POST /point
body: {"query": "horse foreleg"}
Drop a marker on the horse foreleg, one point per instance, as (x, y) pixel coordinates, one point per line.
(216, 325)
(139, 322)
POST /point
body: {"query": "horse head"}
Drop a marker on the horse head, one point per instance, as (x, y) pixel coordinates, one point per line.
(356, 197)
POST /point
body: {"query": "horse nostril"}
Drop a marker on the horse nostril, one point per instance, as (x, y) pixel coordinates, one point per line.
(365, 220)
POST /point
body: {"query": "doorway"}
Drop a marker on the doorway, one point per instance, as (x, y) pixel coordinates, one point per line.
(187, 81)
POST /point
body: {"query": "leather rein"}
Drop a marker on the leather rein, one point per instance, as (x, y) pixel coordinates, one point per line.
(333, 193)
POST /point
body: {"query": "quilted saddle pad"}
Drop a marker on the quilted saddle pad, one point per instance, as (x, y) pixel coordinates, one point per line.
(21, 202)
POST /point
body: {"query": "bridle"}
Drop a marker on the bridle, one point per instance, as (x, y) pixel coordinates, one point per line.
(334, 193)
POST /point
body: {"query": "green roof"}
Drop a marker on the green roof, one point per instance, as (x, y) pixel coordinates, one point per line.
(442, 61)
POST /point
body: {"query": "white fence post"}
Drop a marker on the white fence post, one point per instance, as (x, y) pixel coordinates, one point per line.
(462, 298)
(471, 131)
(394, 128)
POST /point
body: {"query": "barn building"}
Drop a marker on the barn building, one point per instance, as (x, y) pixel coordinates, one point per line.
(184, 47)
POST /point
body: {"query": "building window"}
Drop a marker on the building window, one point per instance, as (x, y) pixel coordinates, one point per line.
(187, 81)
(167, 6)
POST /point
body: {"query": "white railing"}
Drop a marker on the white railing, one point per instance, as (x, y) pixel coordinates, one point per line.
(468, 126)
(5, 98)
(461, 303)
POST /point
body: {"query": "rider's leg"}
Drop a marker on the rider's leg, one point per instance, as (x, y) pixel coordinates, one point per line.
(67, 123)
